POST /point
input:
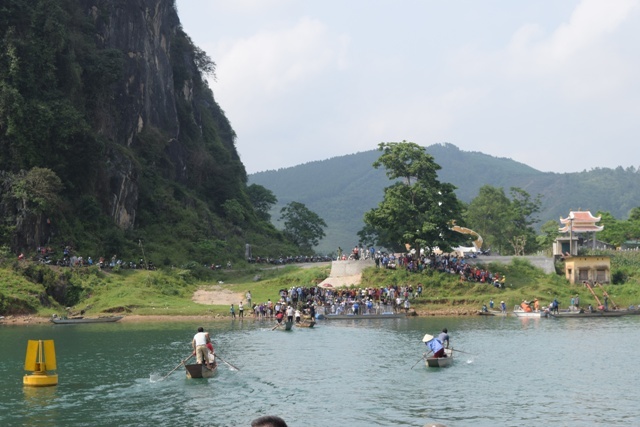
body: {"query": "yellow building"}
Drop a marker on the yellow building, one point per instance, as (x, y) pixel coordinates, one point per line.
(578, 269)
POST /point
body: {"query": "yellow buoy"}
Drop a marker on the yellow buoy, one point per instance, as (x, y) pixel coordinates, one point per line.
(41, 359)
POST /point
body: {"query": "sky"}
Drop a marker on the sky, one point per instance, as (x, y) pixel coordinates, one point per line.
(551, 84)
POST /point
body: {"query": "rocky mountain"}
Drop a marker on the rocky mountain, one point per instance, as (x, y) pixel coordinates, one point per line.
(108, 124)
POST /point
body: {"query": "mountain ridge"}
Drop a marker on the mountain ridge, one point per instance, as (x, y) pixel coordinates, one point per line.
(342, 188)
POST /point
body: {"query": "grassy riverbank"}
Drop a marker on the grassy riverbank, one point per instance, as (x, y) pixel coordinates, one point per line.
(28, 289)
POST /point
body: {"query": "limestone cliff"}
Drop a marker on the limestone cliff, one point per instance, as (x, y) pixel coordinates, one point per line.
(110, 96)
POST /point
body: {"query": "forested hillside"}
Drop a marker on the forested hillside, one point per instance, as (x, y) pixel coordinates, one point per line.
(342, 189)
(111, 142)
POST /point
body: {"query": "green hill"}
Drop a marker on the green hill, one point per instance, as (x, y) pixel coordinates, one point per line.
(342, 189)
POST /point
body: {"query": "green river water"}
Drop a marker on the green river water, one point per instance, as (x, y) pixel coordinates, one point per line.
(514, 372)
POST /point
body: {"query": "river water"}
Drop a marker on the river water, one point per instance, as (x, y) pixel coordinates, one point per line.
(514, 372)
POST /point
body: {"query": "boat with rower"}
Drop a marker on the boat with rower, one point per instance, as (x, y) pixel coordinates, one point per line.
(440, 362)
(436, 346)
(81, 319)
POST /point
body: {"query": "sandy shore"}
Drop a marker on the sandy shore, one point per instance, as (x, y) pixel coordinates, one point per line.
(137, 318)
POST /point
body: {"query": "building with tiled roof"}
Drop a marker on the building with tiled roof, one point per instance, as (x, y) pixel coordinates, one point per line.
(577, 223)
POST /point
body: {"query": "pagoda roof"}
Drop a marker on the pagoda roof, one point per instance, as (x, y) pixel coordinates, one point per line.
(580, 222)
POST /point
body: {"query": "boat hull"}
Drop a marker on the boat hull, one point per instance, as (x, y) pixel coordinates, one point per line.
(440, 362)
(77, 320)
(587, 314)
(491, 313)
(519, 312)
(305, 324)
(200, 371)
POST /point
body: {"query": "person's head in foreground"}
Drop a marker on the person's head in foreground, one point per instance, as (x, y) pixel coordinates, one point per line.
(268, 421)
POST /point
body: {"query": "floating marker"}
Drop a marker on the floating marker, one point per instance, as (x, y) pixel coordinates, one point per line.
(41, 360)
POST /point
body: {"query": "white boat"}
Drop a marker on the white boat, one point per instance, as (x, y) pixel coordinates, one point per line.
(440, 362)
(519, 312)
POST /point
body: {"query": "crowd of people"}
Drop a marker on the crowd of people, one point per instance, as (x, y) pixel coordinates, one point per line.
(444, 263)
(298, 302)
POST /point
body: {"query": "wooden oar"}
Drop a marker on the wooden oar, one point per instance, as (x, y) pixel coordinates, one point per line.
(179, 364)
(277, 324)
(422, 358)
(219, 357)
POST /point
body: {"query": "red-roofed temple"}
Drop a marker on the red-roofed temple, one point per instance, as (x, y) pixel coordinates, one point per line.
(578, 222)
(585, 269)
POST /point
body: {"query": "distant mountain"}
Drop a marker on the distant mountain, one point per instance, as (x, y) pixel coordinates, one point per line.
(342, 189)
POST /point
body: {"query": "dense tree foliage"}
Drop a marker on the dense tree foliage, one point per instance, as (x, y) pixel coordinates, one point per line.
(616, 232)
(548, 234)
(302, 226)
(506, 225)
(262, 200)
(418, 209)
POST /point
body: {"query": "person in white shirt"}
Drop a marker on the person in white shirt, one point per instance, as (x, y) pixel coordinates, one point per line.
(199, 344)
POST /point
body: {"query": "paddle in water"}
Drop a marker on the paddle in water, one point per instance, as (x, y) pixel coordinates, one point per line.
(179, 364)
(230, 365)
(424, 355)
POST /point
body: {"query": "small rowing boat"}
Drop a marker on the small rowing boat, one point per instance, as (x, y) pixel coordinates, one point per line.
(491, 313)
(305, 324)
(81, 319)
(197, 370)
(440, 362)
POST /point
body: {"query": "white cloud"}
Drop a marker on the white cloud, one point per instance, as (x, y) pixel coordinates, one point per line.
(256, 73)
(309, 80)
(577, 58)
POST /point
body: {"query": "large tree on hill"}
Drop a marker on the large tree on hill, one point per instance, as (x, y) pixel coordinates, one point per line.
(302, 226)
(505, 224)
(418, 209)
(262, 200)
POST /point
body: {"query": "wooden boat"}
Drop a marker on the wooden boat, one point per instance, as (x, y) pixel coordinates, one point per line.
(201, 371)
(440, 362)
(288, 324)
(491, 313)
(306, 324)
(81, 319)
(588, 314)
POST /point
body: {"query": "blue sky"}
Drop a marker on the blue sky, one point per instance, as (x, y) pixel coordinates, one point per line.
(552, 84)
